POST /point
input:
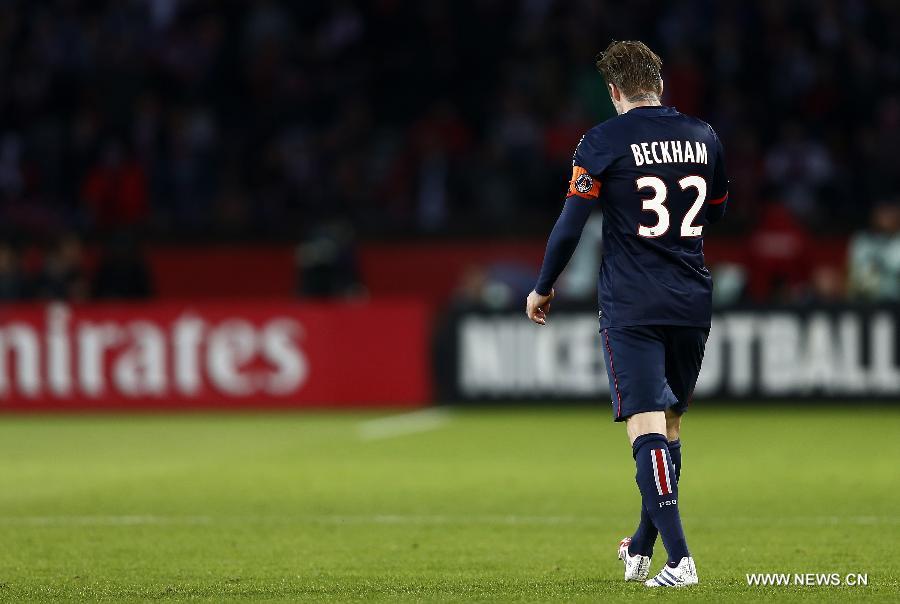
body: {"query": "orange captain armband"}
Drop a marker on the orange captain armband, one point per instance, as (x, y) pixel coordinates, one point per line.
(583, 184)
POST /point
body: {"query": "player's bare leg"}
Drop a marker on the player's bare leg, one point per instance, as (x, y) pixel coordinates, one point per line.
(673, 426)
(650, 422)
(649, 434)
(640, 545)
(637, 561)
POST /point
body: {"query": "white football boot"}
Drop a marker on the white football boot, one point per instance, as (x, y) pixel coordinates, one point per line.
(637, 567)
(680, 576)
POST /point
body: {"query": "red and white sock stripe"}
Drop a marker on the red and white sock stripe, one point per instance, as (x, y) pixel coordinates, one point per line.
(660, 458)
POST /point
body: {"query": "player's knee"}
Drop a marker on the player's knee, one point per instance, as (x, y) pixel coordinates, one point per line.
(646, 422)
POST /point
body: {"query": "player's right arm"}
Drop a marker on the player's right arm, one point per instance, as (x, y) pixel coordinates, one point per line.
(718, 194)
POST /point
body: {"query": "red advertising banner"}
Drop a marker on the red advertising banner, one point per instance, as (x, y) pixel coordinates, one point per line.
(213, 355)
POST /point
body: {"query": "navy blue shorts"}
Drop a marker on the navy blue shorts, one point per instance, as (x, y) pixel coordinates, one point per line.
(652, 368)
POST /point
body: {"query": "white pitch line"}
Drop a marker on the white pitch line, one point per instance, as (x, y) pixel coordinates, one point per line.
(491, 519)
(403, 424)
(103, 520)
(426, 520)
(513, 519)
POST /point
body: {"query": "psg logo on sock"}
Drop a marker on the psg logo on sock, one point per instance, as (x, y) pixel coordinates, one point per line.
(584, 183)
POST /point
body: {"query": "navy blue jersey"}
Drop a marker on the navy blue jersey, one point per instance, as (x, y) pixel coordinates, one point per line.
(659, 178)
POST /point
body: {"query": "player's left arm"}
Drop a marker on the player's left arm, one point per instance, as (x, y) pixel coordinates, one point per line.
(718, 193)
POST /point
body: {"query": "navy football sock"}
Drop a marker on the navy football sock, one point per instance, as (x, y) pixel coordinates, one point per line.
(657, 481)
(675, 453)
(645, 536)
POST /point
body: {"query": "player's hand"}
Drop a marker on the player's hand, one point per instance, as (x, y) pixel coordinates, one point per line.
(537, 307)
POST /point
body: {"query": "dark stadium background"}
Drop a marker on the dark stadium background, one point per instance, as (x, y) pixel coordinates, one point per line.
(339, 208)
(369, 152)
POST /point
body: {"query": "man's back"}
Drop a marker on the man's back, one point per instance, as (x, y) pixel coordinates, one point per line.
(661, 179)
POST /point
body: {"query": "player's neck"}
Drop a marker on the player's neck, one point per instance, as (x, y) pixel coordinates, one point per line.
(652, 101)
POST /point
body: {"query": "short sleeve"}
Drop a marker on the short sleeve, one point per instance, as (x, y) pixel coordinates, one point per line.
(592, 158)
(718, 192)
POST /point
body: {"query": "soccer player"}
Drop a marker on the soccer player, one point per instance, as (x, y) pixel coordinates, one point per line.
(658, 177)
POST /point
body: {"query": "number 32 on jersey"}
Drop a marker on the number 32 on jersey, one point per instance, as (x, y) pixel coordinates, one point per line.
(657, 204)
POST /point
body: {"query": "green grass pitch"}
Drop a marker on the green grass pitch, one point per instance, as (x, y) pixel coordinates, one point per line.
(494, 505)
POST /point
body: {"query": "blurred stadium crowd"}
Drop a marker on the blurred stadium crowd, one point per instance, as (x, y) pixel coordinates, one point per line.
(261, 119)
